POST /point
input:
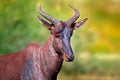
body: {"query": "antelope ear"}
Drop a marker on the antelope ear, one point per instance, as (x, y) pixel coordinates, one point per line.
(45, 23)
(79, 23)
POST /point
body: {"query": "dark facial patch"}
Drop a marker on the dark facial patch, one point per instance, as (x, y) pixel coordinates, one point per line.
(65, 36)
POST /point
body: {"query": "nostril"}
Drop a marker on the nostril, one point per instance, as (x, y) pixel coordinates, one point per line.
(72, 57)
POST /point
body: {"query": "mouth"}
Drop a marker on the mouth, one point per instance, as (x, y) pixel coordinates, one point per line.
(68, 58)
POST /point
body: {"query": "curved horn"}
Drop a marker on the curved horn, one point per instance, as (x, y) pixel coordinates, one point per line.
(75, 17)
(46, 16)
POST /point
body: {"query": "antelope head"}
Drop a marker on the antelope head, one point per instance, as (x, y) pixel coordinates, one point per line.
(62, 32)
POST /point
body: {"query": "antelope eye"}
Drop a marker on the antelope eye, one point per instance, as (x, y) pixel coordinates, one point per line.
(61, 36)
(71, 34)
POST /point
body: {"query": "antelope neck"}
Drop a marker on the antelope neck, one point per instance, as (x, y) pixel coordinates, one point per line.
(50, 61)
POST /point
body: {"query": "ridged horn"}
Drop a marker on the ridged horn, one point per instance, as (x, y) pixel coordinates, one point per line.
(75, 17)
(49, 18)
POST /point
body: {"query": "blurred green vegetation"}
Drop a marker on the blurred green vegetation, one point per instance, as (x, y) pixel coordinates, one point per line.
(100, 35)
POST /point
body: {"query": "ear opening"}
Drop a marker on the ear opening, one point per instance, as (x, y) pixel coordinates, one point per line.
(79, 23)
(45, 23)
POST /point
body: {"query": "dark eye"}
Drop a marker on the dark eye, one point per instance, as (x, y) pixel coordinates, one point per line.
(61, 36)
(71, 34)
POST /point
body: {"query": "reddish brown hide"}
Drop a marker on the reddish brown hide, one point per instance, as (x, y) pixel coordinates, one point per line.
(37, 62)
